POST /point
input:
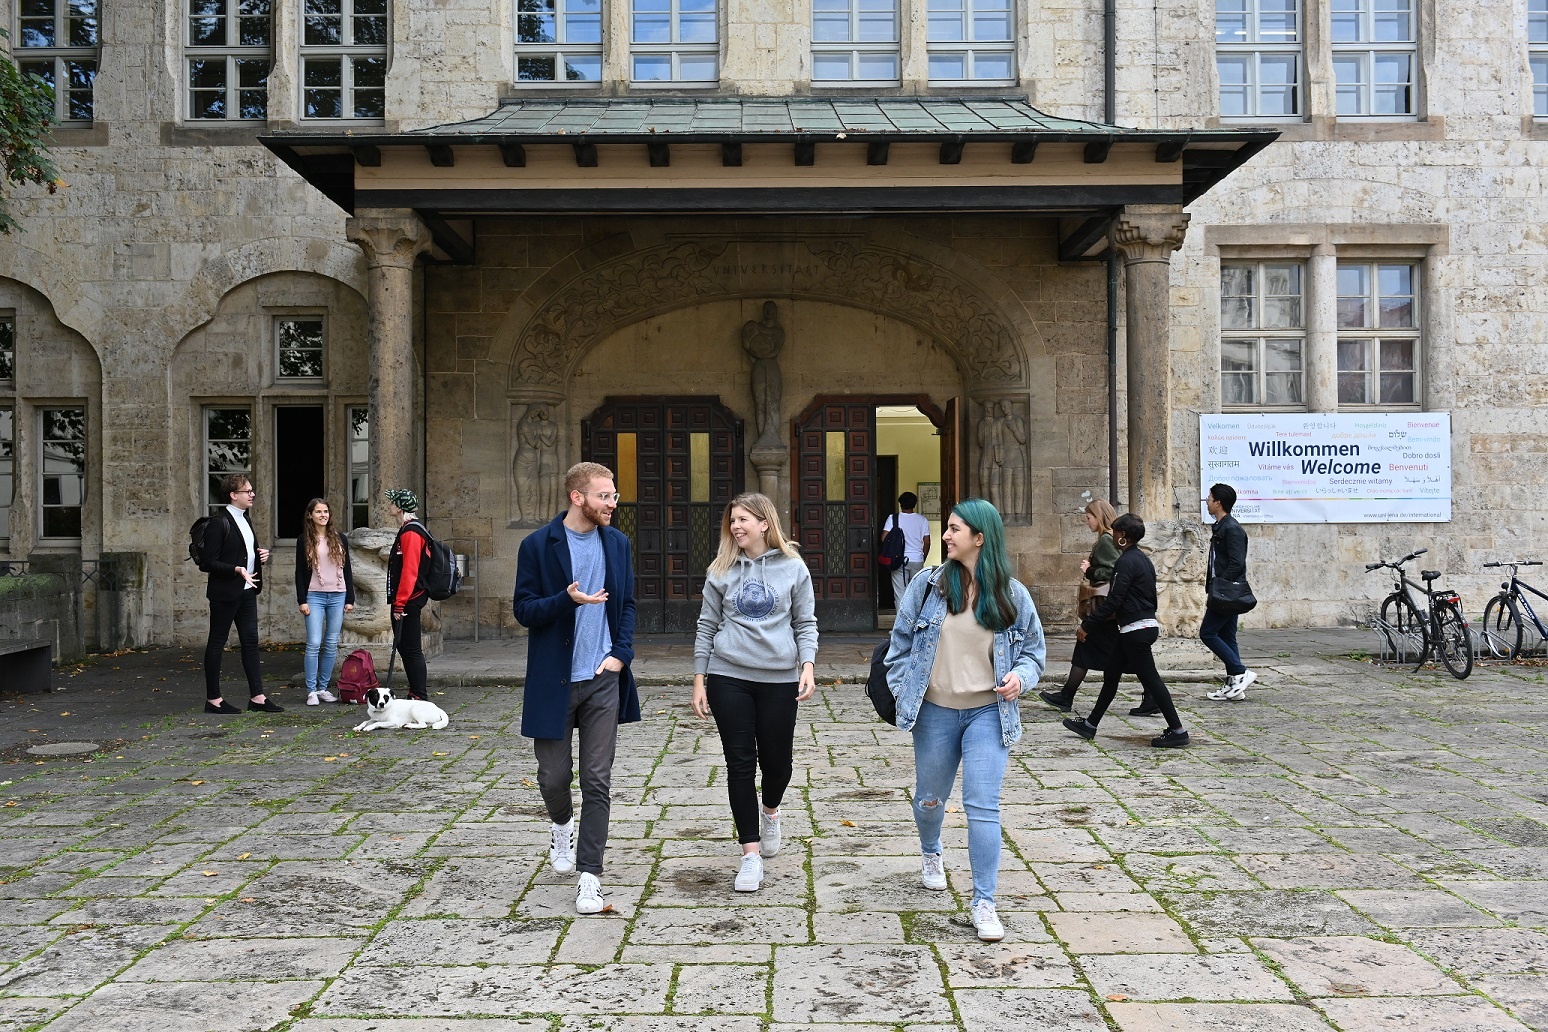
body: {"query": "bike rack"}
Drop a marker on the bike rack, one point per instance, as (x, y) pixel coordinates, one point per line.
(1395, 647)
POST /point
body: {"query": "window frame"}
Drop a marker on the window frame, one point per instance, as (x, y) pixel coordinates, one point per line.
(60, 58)
(278, 355)
(675, 50)
(7, 467)
(1537, 55)
(41, 420)
(1260, 335)
(856, 48)
(1366, 51)
(969, 47)
(206, 473)
(233, 53)
(347, 53)
(1256, 49)
(7, 348)
(560, 47)
(354, 499)
(1374, 335)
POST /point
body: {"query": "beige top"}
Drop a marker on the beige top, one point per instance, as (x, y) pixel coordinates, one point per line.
(963, 675)
(326, 575)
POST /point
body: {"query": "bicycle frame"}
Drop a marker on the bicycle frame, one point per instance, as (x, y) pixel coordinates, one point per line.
(1516, 587)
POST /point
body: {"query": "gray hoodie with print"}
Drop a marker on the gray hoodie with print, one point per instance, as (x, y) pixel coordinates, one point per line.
(758, 621)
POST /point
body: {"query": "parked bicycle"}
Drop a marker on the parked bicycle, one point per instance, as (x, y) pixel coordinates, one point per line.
(1503, 628)
(1440, 628)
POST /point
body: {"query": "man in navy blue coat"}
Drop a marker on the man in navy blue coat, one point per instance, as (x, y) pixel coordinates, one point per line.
(575, 595)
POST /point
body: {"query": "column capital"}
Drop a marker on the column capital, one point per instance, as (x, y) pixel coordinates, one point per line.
(1149, 233)
(390, 237)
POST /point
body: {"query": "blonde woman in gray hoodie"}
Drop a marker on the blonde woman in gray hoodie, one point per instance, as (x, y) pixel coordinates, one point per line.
(753, 663)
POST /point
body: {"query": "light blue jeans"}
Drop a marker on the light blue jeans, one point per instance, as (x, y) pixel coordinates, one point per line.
(943, 740)
(323, 624)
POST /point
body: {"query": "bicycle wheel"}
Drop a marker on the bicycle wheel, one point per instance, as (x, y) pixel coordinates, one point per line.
(1501, 628)
(1410, 638)
(1453, 640)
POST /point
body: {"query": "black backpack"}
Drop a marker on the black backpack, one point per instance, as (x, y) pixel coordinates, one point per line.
(892, 546)
(876, 688)
(196, 540)
(438, 572)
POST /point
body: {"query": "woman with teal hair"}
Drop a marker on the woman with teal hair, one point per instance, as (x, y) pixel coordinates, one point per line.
(966, 643)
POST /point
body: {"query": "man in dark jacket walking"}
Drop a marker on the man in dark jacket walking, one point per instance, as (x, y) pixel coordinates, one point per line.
(1228, 561)
(229, 554)
(575, 595)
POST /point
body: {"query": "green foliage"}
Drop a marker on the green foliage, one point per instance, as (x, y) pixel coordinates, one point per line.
(26, 110)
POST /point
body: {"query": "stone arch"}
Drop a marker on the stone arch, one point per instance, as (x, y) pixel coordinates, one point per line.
(559, 322)
(61, 286)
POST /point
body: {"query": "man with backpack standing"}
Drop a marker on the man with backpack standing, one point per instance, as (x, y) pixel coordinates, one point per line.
(229, 554)
(575, 594)
(405, 587)
(916, 542)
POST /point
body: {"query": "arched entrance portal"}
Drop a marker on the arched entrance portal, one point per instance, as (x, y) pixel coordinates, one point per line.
(679, 462)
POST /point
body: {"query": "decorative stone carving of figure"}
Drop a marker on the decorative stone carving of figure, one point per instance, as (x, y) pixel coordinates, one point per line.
(535, 470)
(1002, 458)
(989, 464)
(763, 339)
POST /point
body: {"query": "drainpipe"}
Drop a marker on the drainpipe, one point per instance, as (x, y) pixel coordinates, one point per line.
(1110, 115)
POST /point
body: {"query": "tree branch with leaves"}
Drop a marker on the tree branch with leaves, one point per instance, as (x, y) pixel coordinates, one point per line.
(26, 112)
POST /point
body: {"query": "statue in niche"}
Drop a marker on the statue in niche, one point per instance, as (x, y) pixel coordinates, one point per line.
(1002, 458)
(763, 339)
(535, 470)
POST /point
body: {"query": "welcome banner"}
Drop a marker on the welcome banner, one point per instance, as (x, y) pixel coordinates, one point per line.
(1335, 468)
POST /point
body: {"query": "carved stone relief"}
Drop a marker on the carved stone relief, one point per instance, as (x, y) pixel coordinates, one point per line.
(371, 619)
(1179, 549)
(535, 467)
(1001, 439)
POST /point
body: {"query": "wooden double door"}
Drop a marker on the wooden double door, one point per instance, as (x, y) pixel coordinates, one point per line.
(679, 462)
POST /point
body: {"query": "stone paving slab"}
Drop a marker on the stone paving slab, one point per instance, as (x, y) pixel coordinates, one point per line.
(1351, 848)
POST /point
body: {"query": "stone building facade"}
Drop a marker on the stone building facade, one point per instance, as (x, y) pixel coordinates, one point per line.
(278, 251)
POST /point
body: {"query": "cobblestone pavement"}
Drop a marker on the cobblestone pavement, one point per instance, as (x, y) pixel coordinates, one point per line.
(1350, 848)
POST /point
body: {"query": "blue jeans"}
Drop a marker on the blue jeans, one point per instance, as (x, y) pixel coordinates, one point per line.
(943, 739)
(1218, 633)
(322, 636)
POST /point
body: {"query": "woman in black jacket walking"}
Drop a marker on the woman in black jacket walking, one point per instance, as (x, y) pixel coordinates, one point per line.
(1131, 602)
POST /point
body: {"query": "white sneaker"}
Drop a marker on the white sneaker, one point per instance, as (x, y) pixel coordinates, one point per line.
(768, 833)
(750, 877)
(1232, 691)
(561, 851)
(325, 695)
(932, 871)
(1239, 692)
(588, 895)
(311, 698)
(987, 921)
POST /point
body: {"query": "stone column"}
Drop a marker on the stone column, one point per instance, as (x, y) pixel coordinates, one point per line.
(392, 240)
(1145, 236)
(1321, 358)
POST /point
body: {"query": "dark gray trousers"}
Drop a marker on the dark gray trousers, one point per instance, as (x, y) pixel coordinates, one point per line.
(594, 712)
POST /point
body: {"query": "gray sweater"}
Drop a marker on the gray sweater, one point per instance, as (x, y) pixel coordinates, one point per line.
(758, 621)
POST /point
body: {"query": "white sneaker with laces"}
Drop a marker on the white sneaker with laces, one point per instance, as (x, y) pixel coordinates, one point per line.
(588, 895)
(987, 921)
(750, 877)
(1224, 692)
(561, 850)
(1239, 690)
(311, 698)
(768, 832)
(325, 695)
(932, 871)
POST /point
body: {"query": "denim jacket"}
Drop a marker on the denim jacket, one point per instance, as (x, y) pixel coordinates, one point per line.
(916, 633)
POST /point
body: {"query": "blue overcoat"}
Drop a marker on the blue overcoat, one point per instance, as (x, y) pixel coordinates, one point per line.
(543, 605)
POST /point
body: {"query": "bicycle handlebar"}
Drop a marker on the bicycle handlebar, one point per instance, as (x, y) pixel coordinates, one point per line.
(1516, 562)
(1396, 564)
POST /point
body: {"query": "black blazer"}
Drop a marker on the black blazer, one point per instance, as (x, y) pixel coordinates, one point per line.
(1132, 595)
(223, 554)
(304, 572)
(1227, 552)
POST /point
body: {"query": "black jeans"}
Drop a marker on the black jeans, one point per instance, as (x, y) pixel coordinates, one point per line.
(756, 721)
(593, 712)
(411, 648)
(243, 612)
(1132, 656)
(1218, 633)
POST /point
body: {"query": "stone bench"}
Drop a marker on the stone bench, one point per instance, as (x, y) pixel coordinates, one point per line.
(27, 666)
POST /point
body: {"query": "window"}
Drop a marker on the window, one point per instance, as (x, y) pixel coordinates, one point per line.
(228, 58)
(300, 348)
(7, 469)
(856, 41)
(971, 41)
(1262, 334)
(559, 41)
(1258, 57)
(228, 448)
(7, 348)
(1374, 51)
(1381, 366)
(1537, 51)
(63, 471)
(344, 58)
(359, 460)
(56, 40)
(674, 41)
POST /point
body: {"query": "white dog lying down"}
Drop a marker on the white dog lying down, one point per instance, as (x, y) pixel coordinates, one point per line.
(385, 711)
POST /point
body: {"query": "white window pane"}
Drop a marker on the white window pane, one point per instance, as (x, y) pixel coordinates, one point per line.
(1238, 389)
(535, 69)
(583, 67)
(1537, 21)
(652, 28)
(993, 65)
(877, 28)
(1236, 280)
(1346, 28)
(1395, 280)
(1278, 69)
(946, 27)
(1230, 21)
(1354, 356)
(1282, 313)
(1540, 85)
(878, 66)
(698, 68)
(1238, 356)
(1398, 389)
(696, 28)
(1236, 313)
(1282, 355)
(992, 26)
(1353, 389)
(829, 27)
(945, 67)
(652, 67)
(1397, 356)
(1282, 389)
(1391, 100)
(830, 66)
(1393, 68)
